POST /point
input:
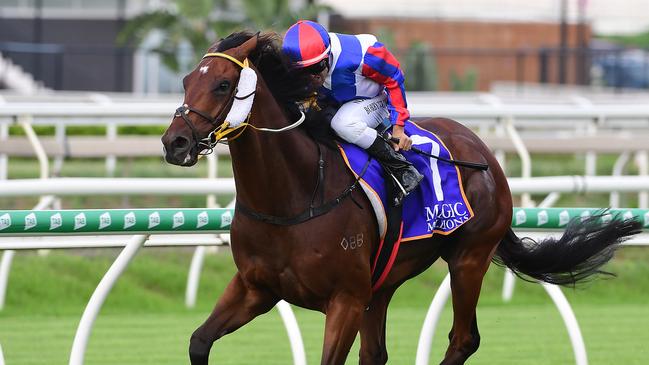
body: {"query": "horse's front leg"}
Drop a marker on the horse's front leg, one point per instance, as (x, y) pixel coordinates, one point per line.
(238, 305)
(373, 347)
(344, 315)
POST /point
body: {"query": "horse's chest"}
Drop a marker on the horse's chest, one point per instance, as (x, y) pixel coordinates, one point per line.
(288, 281)
(302, 269)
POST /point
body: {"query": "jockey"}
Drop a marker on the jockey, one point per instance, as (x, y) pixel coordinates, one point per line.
(358, 74)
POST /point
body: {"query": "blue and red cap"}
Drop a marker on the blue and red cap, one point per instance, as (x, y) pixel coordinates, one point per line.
(306, 43)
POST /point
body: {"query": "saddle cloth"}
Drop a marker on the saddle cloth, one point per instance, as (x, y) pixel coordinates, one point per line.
(438, 205)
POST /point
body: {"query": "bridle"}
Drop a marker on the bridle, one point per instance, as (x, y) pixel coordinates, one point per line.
(225, 130)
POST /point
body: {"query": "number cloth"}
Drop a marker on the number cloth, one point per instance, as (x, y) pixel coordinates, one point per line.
(438, 205)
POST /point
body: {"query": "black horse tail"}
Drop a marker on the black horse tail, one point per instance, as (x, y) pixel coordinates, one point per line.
(580, 253)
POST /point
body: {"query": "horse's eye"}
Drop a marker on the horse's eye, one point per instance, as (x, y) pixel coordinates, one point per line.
(223, 87)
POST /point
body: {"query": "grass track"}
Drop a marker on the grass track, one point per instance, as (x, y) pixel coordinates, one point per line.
(511, 335)
(144, 322)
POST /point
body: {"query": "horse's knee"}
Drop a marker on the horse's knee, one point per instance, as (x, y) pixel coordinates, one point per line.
(199, 349)
(373, 360)
(473, 344)
(474, 341)
(469, 345)
(461, 348)
(377, 356)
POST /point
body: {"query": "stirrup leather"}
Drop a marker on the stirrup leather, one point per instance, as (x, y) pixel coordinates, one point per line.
(405, 176)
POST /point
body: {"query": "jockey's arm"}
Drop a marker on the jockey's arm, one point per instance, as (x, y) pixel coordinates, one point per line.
(382, 67)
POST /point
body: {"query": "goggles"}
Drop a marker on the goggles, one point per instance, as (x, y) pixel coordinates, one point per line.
(318, 67)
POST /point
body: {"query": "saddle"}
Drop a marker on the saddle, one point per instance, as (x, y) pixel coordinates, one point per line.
(437, 206)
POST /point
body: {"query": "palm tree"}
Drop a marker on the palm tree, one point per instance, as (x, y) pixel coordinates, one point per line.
(199, 23)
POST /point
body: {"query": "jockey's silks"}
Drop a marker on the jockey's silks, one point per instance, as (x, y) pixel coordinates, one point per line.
(361, 67)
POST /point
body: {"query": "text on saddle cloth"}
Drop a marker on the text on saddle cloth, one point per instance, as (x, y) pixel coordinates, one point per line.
(438, 205)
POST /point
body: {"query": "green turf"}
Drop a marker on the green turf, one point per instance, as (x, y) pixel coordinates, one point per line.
(510, 335)
(144, 320)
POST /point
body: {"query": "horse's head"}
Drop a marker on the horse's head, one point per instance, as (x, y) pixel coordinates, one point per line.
(210, 91)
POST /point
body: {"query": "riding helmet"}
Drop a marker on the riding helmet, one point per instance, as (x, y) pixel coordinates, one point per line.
(306, 43)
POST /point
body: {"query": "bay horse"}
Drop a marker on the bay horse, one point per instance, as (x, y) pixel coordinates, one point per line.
(296, 203)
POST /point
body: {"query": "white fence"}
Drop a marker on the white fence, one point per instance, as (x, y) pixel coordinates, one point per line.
(590, 126)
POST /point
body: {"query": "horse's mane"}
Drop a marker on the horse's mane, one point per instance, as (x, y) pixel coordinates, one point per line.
(288, 85)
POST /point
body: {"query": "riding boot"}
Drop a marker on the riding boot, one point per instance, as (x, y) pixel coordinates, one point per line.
(405, 175)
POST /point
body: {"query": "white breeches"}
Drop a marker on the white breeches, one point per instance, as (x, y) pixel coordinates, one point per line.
(355, 120)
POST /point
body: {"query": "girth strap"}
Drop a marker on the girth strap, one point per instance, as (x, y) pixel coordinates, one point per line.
(307, 214)
(312, 211)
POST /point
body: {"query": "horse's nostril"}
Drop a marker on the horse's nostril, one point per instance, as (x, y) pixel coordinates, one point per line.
(180, 144)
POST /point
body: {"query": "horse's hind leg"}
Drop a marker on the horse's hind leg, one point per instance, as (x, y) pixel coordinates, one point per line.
(373, 347)
(238, 305)
(344, 314)
(467, 266)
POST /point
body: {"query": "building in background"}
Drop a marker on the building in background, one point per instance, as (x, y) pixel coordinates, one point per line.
(605, 16)
(445, 44)
(469, 44)
(69, 44)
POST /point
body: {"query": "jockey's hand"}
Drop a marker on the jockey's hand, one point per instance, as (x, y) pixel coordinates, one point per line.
(404, 141)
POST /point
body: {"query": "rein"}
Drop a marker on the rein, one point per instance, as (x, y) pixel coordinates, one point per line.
(312, 211)
(224, 130)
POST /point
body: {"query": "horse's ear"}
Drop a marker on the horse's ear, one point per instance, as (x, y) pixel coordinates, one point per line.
(246, 48)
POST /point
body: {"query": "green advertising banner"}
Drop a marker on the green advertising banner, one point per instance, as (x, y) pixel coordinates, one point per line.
(126, 221)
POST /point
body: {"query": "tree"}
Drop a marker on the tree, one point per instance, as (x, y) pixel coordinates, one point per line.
(199, 23)
(420, 68)
(467, 81)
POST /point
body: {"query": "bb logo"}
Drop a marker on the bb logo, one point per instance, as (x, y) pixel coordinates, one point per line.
(226, 219)
(79, 221)
(542, 218)
(104, 220)
(30, 221)
(202, 220)
(564, 218)
(56, 221)
(179, 220)
(5, 221)
(129, 220)
(154, 219)
(521, 217)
